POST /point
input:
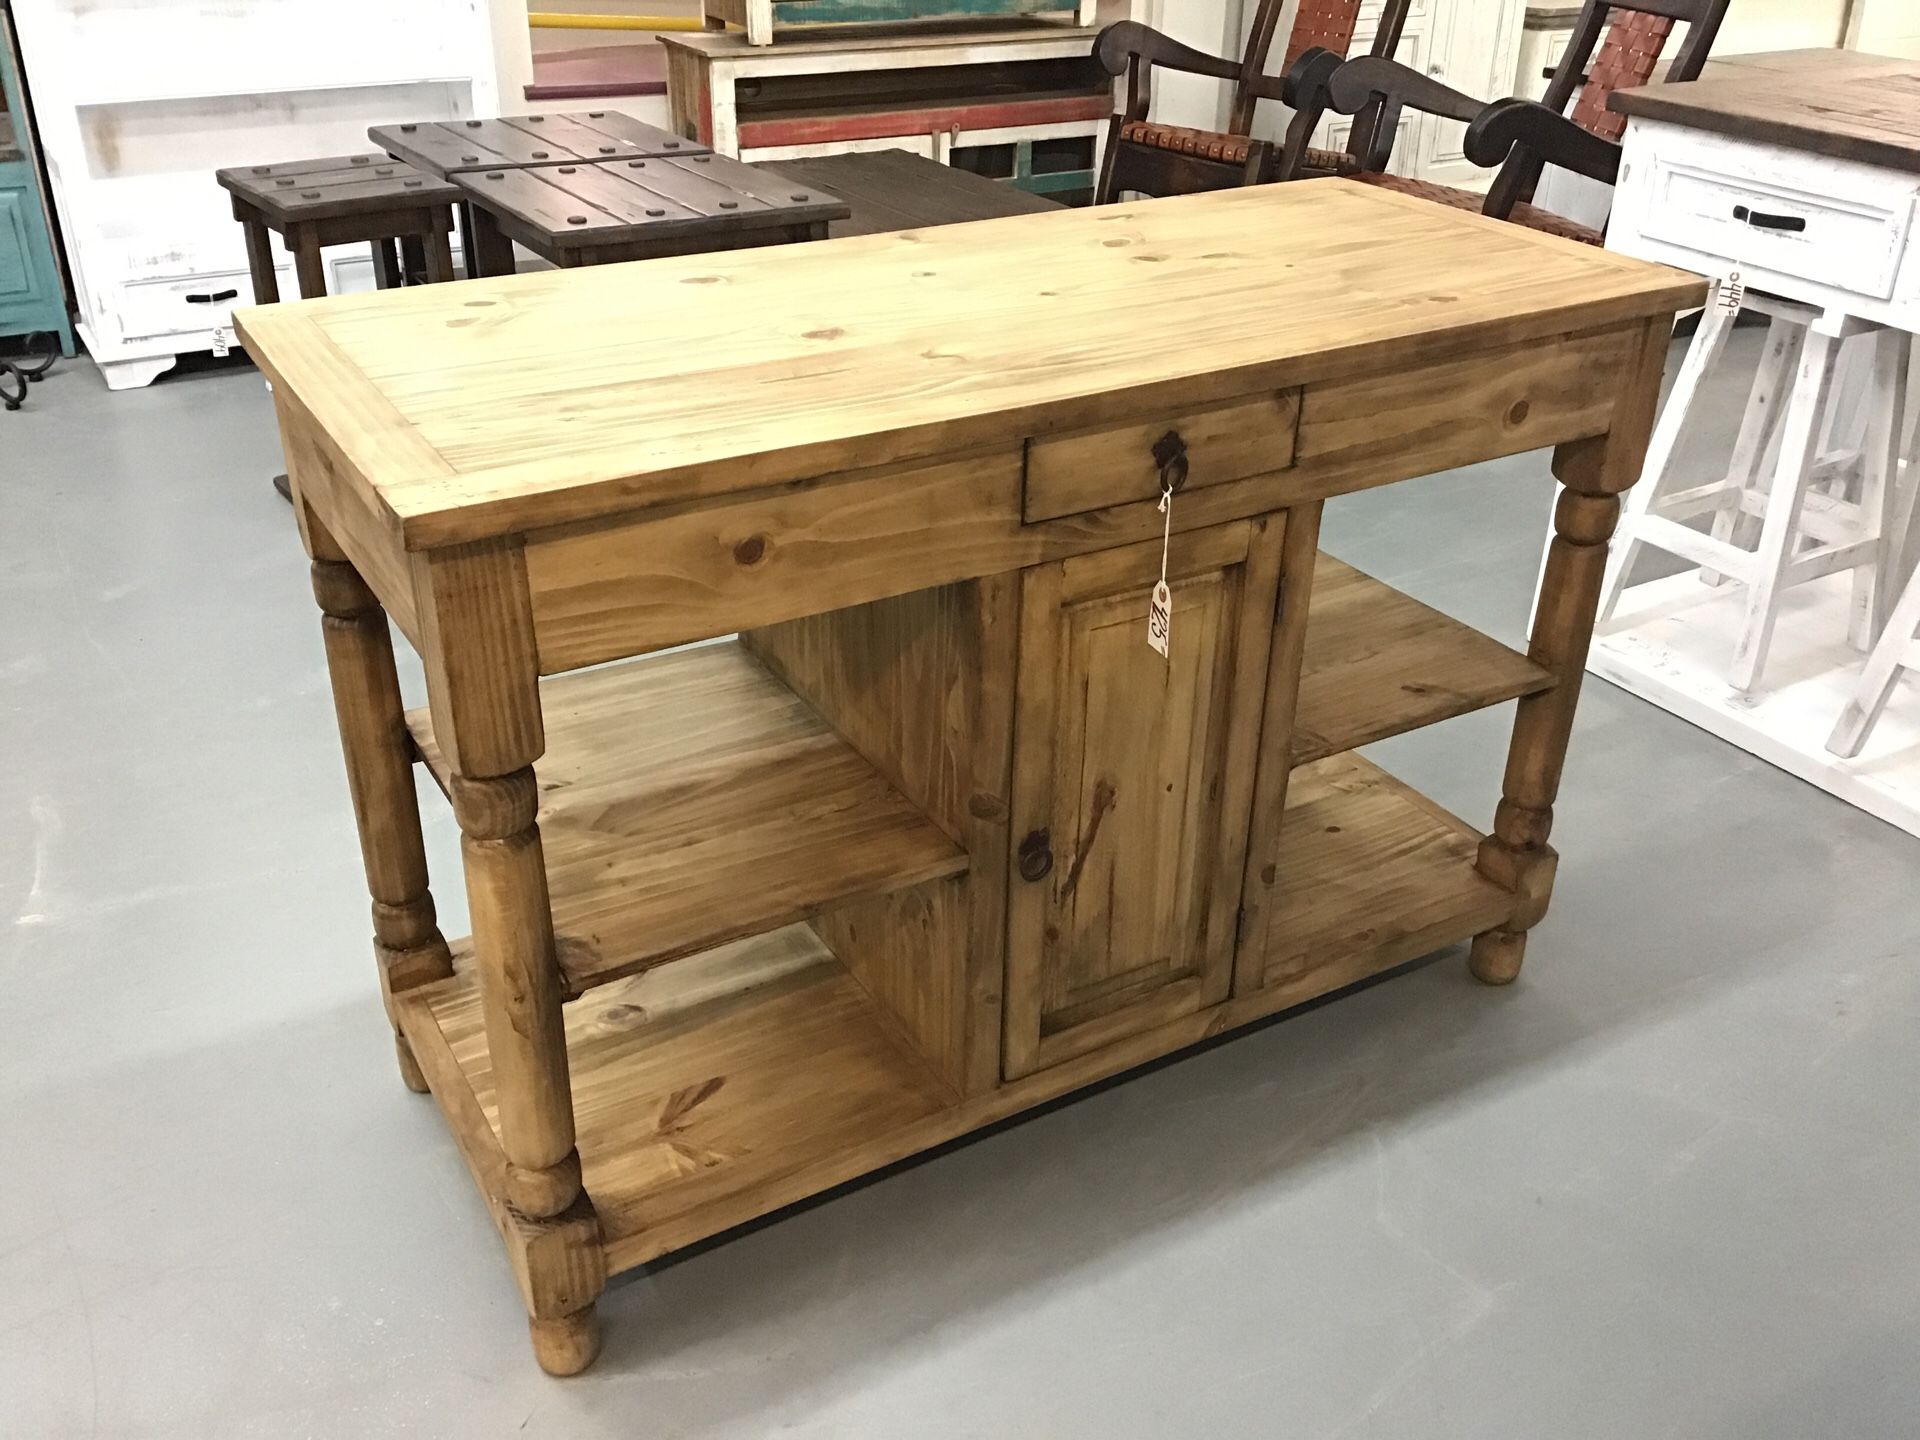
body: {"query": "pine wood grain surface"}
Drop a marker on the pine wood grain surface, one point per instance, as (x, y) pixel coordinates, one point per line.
(502, 405)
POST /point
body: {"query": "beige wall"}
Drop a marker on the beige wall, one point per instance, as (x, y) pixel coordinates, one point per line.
(1784, 24)
(1886, 27)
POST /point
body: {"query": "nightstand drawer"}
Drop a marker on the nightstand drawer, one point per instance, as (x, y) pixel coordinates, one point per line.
(151, 308)
(1081, 470)
(1799, 224)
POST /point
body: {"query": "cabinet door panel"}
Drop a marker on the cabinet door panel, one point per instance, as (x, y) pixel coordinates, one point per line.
(16, 273)
(1132, 787)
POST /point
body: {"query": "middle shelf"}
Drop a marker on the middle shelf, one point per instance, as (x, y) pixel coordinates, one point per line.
(1379, 663)
(690, 798)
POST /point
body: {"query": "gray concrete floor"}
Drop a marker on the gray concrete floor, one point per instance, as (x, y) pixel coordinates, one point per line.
(1667, 1185)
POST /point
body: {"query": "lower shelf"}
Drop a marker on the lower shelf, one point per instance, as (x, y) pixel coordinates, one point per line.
(1370, 869)
(1379, 663)
(702, 1083)
(728, 1084)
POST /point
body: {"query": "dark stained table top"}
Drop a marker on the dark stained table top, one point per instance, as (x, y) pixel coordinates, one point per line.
(337, 185)
(452, 147)
(1864, 107)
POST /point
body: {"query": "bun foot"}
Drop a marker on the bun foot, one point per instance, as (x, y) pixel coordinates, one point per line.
(568, 1345)
(410, 1072)
(1497, 955)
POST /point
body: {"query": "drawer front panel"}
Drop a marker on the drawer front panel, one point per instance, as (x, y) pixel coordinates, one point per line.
(602, 592)
(1790, 224)
(1091, 469)
(151, 308)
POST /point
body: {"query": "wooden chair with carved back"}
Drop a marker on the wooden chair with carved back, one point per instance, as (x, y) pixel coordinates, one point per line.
(1157, 159)
(1615, 45)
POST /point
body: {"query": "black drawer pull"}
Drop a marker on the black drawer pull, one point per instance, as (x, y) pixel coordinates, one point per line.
(214, 299)
(1761, 220)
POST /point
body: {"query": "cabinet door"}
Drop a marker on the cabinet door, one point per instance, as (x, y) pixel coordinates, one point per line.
(1133, 783)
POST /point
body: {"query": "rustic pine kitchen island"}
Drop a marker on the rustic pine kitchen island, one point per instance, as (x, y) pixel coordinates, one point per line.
(939, 836)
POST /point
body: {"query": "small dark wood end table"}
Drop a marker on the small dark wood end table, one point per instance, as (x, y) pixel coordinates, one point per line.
(638, 209)
(341, 200)
(447, 148)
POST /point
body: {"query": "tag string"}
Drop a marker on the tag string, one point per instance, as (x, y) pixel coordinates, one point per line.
(1166, 534)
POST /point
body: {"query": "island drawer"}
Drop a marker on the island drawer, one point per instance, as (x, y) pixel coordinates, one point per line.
(1116, 464)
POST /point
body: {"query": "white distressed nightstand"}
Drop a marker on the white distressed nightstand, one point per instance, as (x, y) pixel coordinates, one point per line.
(1799, 173)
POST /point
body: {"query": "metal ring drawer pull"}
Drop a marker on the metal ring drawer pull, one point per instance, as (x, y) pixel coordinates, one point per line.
(1170, 454)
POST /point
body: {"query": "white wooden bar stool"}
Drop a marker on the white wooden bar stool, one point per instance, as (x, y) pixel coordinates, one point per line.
(1898, 647)
(1799, 518)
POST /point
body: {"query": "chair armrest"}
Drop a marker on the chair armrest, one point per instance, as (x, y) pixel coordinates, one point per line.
(1359, 83)
(1121, 45)
(1304, 86)
(1546, 135)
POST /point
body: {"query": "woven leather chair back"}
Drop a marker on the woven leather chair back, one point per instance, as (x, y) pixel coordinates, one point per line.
(1617, 46)
(1328, 24)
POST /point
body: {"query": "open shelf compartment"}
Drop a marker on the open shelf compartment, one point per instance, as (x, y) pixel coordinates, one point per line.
(1371, 872)
(700, 1090)
(690, 798)
(1379, 663)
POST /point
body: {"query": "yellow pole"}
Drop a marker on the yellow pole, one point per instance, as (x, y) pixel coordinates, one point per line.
(556, 20)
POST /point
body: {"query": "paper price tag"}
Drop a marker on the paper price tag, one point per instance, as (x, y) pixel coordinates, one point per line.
(1732, 294)
(222, 340)
(1160, 618)
(1160, 607)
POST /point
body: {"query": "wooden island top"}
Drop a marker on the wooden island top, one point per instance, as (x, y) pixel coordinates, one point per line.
(511, 404)
(960, 822)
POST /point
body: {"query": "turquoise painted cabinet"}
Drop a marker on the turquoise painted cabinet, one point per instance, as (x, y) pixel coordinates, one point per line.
(31, 296)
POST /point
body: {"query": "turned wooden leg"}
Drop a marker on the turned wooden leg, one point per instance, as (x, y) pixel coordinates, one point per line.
(483, 690)
(1516, 855)
(519, 986)
(366, 698)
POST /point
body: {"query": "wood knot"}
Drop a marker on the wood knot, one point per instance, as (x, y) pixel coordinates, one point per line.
(1269, 873)
(1517, 412)
(750, 551)
(986, 807)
